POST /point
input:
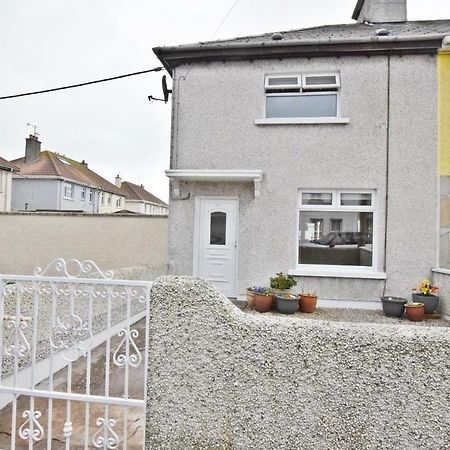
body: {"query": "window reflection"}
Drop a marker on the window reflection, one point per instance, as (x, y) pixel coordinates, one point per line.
(336, 238)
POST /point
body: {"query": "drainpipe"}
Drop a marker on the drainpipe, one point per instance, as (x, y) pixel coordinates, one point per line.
(388, 120)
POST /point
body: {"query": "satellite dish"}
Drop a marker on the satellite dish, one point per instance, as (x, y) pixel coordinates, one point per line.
(166, 91)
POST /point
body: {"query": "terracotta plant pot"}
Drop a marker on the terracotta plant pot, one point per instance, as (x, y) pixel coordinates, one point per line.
(415, 311)
(263, 303)
(307, 303)
(250, 299)
(430, 302)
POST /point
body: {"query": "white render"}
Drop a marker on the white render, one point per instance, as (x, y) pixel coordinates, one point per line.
(5, 190)
(144, 207)
(215, 107)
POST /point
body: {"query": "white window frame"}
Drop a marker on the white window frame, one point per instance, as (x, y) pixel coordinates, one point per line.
(338, 270)
(70, 186)
(83, 193)
(332, 90)
(91, 196)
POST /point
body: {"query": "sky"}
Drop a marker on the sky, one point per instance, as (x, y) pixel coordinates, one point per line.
(113, 126)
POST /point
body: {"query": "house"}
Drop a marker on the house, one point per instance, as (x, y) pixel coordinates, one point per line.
(48, 181)
(319, 151)
(6, 172)
(140, 201)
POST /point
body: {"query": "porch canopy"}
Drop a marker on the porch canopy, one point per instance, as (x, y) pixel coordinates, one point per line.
(178, 175)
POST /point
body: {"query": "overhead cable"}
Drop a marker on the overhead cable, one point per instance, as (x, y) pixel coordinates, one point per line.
(156, 69)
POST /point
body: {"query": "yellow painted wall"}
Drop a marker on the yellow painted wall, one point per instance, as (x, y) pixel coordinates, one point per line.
(443, 64)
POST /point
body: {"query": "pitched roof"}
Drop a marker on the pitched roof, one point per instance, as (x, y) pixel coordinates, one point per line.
(329, 39)
(134, 192)
(6, 165)
(53, 164)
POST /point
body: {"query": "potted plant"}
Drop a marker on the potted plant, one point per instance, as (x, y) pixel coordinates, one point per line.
(307, 302)
(263, 297)
(415, 311)
(393, 306)
(281, 283)
(287, 303)
(426, 294)
(250, 297)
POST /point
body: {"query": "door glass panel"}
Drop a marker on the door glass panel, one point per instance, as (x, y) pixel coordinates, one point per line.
(218, 228)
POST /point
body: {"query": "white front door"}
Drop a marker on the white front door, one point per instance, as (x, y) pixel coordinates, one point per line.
(215, 243)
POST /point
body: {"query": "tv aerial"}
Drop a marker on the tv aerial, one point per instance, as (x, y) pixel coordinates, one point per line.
(165, 90)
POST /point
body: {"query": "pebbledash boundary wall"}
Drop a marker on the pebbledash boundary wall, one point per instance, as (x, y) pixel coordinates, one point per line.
(135, 246)
(223, 379)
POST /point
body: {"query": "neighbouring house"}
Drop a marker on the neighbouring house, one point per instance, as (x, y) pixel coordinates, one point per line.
(48, 181)
(140, 201)
(6, 172)
(319, 151)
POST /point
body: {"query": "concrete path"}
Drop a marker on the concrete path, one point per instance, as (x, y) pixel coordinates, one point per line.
(79, 411)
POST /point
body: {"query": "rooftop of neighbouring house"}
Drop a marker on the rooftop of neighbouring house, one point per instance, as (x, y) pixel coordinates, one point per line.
(8, 166)
(135, 192)
(51, 164)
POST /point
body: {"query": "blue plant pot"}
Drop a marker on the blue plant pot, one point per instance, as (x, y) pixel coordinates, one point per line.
(430, 302)
(287, 305)
(393, 306)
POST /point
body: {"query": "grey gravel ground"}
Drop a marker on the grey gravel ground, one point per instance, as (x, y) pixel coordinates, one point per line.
(355, 316)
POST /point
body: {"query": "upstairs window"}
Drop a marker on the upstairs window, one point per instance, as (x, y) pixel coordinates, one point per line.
(302, 95)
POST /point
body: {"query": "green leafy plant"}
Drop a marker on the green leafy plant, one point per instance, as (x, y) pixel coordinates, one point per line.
(282, 281)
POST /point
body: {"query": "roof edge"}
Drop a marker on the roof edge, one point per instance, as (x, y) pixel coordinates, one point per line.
(172, 57)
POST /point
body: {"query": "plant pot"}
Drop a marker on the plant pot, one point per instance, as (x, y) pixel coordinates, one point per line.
(307, 303)
(263, 303)
(415, 311)
(281, 292)
(393, 306)
(250, 299)
(430, 302)
(287, 305)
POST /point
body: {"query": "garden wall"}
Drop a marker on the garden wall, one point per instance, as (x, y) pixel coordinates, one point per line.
(220, 378)
(441, 278)
(134, 245)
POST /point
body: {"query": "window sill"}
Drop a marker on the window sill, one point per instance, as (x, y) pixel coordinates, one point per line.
(330, 273)
(302, 121)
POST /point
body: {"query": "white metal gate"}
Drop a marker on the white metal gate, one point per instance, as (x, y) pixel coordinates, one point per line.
(73, 358)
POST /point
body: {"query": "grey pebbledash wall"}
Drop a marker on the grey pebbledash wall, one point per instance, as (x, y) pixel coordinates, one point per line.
(215, 107)
(222, 379)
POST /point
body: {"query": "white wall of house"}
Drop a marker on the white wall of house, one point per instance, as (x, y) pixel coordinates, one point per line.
(142, 207)
(110, 203)
(5, 190)
(218, 105)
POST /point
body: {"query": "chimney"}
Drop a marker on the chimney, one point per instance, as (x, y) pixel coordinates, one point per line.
(32, 149)
(118, 182)
(84, 163)
(380, 11)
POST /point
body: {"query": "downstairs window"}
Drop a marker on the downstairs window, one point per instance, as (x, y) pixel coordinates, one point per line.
(336, 228)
